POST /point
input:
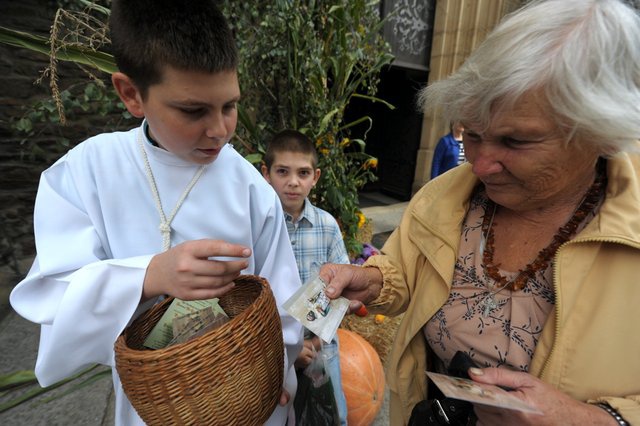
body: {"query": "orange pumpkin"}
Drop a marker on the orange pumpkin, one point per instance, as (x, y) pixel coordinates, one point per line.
(362, 378)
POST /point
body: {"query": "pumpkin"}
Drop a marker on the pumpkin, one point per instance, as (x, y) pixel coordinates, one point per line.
(362, 378)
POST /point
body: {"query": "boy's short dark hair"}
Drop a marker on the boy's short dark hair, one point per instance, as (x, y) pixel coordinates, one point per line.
(147, 35)
(290, 141)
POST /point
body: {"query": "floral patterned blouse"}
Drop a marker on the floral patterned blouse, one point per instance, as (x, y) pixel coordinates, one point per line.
(504, 334)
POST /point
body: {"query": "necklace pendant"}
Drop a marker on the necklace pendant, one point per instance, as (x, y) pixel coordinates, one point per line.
(518, 284)
(488, 305)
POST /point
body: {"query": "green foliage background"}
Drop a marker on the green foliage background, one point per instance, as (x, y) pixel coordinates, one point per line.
(301, 63)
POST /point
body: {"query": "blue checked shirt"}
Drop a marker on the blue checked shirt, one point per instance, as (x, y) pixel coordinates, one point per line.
(316, 239)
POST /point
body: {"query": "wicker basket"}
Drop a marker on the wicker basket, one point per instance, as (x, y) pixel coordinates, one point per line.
(231, 375)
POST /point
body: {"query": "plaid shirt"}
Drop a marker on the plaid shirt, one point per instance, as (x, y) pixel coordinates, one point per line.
(316, 239)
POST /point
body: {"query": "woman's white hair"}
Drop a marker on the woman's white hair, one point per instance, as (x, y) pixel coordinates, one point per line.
(583, 54)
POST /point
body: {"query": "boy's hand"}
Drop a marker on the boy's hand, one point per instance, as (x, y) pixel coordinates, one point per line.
(307, 353)
(186, 272)
(284, 397)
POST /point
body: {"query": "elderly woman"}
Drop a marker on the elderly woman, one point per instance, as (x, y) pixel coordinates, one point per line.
(528, 257)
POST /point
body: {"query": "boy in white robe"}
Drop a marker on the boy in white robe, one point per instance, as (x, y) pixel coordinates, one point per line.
(169, 208)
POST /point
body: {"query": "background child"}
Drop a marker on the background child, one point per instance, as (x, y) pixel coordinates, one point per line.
(449, 151)
(168, 208)
(291, 168)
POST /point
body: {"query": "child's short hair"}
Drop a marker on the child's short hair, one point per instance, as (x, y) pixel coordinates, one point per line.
(147, 35)
(290, 141)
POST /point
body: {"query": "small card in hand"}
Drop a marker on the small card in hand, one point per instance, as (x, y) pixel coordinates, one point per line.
(311, 306)
(479, 393)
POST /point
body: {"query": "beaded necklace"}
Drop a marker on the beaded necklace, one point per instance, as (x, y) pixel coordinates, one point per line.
(588, 204)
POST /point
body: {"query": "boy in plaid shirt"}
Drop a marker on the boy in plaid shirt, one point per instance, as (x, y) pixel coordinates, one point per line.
(290, 166)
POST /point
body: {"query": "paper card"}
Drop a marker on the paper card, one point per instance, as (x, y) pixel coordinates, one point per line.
(311, 306)
(162, 333)
(192, 325)
(479, 393)
(191, 321)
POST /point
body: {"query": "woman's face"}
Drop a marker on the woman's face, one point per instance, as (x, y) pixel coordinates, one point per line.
(523, 159)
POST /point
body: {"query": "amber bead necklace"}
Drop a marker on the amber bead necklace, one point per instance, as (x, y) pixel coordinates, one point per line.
(586, 206)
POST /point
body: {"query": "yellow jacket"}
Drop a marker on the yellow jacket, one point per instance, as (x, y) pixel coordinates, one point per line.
(590, 345)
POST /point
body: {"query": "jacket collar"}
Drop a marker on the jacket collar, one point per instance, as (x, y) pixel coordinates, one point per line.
(442, 203)
(619, 216)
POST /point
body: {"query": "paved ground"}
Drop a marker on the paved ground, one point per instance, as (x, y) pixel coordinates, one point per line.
(92, 405)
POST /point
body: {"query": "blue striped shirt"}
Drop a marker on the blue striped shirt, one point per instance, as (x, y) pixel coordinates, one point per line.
(316, 239)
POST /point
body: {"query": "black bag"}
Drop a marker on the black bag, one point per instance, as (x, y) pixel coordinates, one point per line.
(315, 403)
(446, 411)
(443, 411)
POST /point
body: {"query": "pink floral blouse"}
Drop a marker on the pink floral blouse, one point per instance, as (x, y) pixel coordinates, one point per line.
(507, 335)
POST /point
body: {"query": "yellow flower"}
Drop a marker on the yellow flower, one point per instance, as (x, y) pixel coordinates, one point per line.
(324, 151)
(361, 219)
(370, 163)
(379, 318)
(344, 142)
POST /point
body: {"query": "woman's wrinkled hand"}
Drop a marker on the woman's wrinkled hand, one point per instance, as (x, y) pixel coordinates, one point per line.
(359, 285)
(189, 271)
(557, 407)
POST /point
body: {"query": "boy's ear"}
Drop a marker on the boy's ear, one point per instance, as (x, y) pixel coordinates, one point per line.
(128, 93)
(316, 176)
(265, 172)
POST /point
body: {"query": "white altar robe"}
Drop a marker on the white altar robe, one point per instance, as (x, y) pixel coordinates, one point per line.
(96, 229)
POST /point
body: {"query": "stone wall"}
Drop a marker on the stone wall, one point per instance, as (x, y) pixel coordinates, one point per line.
(22, 160)
(459, 27)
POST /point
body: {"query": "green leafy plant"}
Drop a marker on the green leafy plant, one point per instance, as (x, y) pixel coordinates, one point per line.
(302, 62)
(80, 100)
(77, 36)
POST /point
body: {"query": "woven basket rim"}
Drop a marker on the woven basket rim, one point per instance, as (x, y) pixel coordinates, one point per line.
(189, 382)
(123, 349)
